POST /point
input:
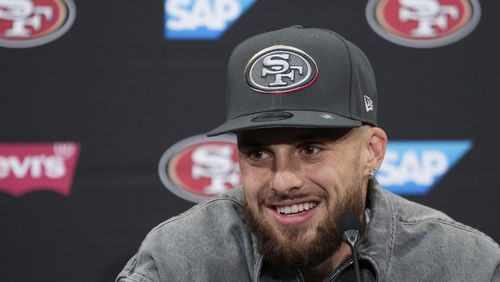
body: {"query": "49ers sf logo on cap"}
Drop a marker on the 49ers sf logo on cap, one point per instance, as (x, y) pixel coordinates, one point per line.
(29, 23)
(198, 167)
(280, 69)
(423, 23)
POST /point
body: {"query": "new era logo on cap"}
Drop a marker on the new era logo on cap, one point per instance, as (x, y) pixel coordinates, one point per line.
(280, 69)
(368, 103)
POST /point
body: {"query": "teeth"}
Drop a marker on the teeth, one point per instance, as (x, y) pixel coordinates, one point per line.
(296, 208)
(288, 210)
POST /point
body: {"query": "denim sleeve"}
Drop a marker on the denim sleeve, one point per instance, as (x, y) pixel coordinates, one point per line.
(134, 271)
(496, 274)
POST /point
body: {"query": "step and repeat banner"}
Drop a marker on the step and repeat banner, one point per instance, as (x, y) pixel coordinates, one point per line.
(104, 106)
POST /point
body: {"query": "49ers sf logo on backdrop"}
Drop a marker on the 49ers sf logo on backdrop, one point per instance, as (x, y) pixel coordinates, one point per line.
(198, 167)
(29, 23)
(423, 23)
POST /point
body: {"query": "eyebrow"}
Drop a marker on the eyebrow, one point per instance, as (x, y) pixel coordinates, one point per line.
(325, 136)
(243, 145)
(305, 137)
(333, 137)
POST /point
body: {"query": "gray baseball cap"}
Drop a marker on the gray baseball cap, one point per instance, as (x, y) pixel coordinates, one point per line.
(298, 77)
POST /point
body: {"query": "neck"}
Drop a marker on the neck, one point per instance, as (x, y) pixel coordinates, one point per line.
(322, 270)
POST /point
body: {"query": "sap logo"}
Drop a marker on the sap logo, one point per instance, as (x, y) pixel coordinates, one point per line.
(201, 19)
(414, 167)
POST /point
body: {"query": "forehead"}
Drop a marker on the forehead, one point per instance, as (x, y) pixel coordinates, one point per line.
(290, 135)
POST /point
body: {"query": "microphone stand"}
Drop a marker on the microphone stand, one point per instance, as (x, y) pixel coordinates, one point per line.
(351, 237)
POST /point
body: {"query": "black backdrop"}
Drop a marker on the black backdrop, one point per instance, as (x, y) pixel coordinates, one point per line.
(113, 84)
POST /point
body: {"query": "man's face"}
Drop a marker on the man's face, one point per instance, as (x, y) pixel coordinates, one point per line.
(297, 183)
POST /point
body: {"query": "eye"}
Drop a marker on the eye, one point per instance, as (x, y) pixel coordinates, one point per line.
(257, 154)
(310, 149)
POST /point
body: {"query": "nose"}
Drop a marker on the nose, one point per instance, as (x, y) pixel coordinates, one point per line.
(286, 178)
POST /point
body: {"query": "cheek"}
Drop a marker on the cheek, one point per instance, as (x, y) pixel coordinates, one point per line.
(331, 176)
(253, 180)
(324, 172)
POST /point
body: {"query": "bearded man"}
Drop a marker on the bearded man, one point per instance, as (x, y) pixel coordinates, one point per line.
(303, 105)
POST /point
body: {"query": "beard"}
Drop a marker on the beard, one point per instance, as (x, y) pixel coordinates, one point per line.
(298, 247)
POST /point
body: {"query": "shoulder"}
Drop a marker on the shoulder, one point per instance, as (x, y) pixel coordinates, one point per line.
(217, 212)
(437, 243)
(430, 221)
(209, 236)
(209, 222)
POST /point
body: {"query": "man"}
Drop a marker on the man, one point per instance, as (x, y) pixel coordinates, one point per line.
(303, 105)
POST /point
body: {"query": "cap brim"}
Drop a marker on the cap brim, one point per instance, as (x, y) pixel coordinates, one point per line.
(309, 119)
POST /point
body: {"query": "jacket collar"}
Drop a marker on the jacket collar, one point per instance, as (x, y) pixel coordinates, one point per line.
(377, 242)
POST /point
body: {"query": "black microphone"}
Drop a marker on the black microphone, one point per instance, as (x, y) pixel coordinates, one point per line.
(350, 228)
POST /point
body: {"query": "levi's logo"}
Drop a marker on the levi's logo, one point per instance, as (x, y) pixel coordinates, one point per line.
(30, 167)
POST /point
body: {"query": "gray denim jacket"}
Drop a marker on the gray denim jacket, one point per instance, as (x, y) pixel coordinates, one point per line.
(404, 241)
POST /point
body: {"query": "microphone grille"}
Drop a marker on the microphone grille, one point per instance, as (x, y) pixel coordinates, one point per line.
(349, 221)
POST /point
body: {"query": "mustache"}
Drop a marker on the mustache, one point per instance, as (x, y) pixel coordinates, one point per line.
(275, 196)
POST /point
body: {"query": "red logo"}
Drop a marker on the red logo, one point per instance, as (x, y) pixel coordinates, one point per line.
(423, 23)
(31, 167)
(199, 167)
(28, 23)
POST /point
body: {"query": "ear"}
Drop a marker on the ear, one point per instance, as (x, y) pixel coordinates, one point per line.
(376, 146)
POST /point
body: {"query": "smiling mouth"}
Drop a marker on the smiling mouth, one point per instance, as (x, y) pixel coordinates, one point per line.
(296, 208)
